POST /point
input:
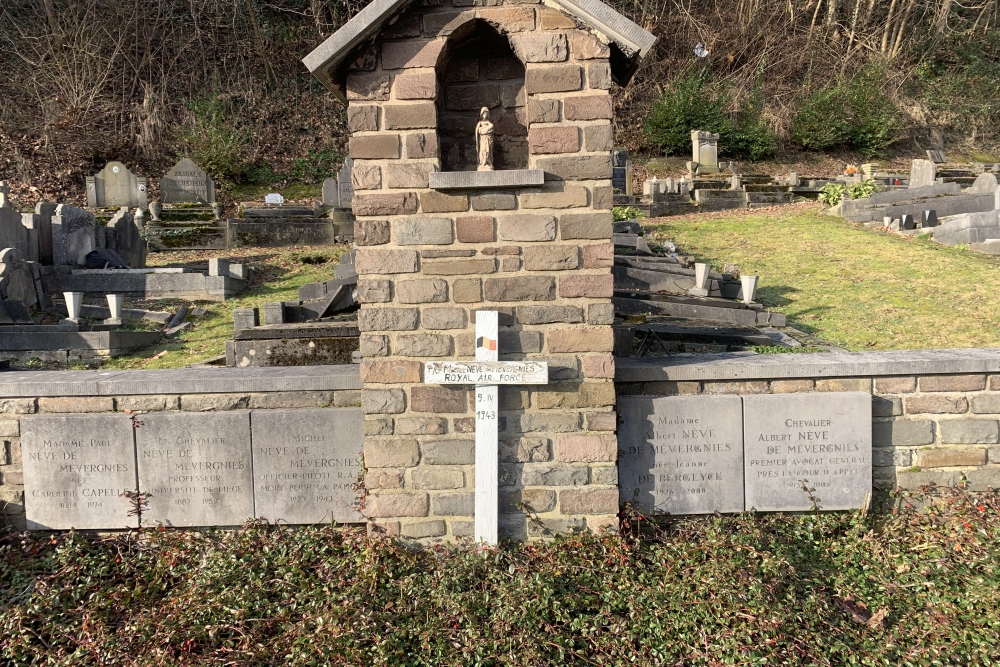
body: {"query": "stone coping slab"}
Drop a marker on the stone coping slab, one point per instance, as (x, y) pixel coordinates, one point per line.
(750, 366)
(179, 381)
(505, 178)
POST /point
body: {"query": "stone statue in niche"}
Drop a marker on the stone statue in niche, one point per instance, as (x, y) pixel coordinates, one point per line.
(484, 140)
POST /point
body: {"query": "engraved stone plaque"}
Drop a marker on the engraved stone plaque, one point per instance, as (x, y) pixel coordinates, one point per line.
(681, 454)
(187, 182)
(196, 467)
(822, 441)
(306, 464)
(75, 470)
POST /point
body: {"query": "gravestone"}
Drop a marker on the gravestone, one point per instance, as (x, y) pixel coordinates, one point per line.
(820, 441)
(331, 193)
(75, 470)
(984, 184)
(115, 185)
(306, 465)
(620, 176)
(197, 468)
(922, 173)
(345, 184)
(187, 183)
(13, 233)
(16, 280)
(705, 151)
(128, 241)
(681, 454)
(72, 235)
(937, 157)
(44, 212)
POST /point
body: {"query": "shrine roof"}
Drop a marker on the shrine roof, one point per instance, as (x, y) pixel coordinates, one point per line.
(629, 42)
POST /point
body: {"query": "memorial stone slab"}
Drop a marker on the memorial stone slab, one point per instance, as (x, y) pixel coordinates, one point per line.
(331, 193)
(115, 185)
(187, 183)
(196, 468)
(681, 454)
(306, 465)
(75, 470)
(73, 235)
(128, 241)
(922, 174)
(345, 186)
(821, 441)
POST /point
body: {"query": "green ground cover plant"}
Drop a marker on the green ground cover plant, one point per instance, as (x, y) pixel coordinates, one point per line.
(848, 588)
(853, 287)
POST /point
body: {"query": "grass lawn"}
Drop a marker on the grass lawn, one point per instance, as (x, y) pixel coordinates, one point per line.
(280, 273)
(856, 288)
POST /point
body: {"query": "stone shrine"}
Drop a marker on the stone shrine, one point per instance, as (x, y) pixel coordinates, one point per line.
(439, 240)
(187, 183)
(115, 185)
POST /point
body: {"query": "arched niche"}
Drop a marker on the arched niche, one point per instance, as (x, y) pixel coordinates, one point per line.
(479, 69)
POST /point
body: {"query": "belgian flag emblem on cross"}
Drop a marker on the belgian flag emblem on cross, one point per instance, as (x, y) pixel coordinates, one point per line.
(486, 343)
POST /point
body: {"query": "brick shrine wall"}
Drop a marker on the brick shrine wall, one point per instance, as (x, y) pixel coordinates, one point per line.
(926, 429)
(427, 260)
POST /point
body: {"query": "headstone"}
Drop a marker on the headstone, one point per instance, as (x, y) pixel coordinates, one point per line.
(128, 241)
(984, 184)
(705, 151)
(937, 157)
(331, 193)
(345, 186)
(306, 465)
(274, 198)
(115, 185)
(818, 441)
(619, 170)
(922, 173)
(32, 224)
(16, 280)
(72, 235)
(681, 454)
(44, 211)
(186, 182)
(907, 222)
(197, 468)
(76, 468)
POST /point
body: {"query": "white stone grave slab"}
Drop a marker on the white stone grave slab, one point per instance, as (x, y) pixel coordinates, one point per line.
(75, 470)
(196, 467)
(822, 441)
(306, 465)
(681, 454)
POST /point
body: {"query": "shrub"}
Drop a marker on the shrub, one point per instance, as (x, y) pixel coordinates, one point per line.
(214, 143)
(620, 213)
(831, 193)
(316, 165)
(823, 120)
(691, 103)
(752, 136)
(863, 190)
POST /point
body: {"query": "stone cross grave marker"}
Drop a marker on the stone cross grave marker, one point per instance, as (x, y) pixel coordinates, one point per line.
(487, 373)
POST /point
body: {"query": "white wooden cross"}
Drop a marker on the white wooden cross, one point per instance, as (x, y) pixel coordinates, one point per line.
(486, 372)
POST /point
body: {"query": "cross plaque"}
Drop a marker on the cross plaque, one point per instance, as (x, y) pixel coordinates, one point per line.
(486, 372)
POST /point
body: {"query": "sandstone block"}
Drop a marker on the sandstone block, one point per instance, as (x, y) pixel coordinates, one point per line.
(147, 403)
(438, 478)
(453, 504)
(542, 111)
(568, 196)
(947, 457)
(544, 475)
(510, 264)
(366, 176)
(374, 291)
(600, 313)
(520, 288)
(527, 227)
(588, 107)
(393, 504)
(581, 339)
(598, 137)
(549, 314)
(362, 118)
(411, 53)
(475, 229)
(603, 197)
(508, 19)
(585, 225)
(9, 428)
(422, 291)
(525, 450)
(373, 425)
(902, 433)
(390, 372)
(214, 402)
(423, 345)
(423, 231)
(588, 501)
(413, 116)
(76, 404)
(403, 203)
(591, 286)
(443, 318)
(895, 385)
(460, 267)
(586, 46)
(528, 500)
(915, 480)
(382, 402)
(791, 386)
(986, 404)
(494, 201)
(449, 452)
(551, 257)
(391, 453)
(540, 47)
(419, 530)
(415, 86)
(599, 366)
(374, 146)
(739, 387)
(421, 144)
(577, 167)
(467, 290)
(408, 175)
(365, 86)
(373, 346)
(22, 406)
(598, 256)
(370, 260)
(953, 383)
(552, 19)
(599, 76)
(371, 232)
(892, 457)
(546, 422)
(440, 202)
(552, 78)
(586, 395)
(602, 421)
(844, 384)
(884, 406)
(388, 319)
(969, 431)
(935, 404)
(442, 24)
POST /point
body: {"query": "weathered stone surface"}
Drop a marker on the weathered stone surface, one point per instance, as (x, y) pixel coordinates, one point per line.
(389, 204)
(602, 421)
(566, 196)
(527, 227)
(598, 256)
(520, 288)
(374, 146)
(953, 383)
(552, 78)
(586, 395)
(600, 313)
(440, 202)
(820, 441)
(592, 286)
(369, 261)
(75, 469)
(421, 144)
(599, 366)
(390, 372)
(986, 404)
(599, 76)
(552, 19)
(892, 457)
(585, 225)
(420, 530)
(453, 504)
(196, 467)
(588, 501)
(439, 399)
(438, 478)
(948, 457)
(844, 384)
(388, 319)
(549, 314)
(373, 346)
(147, 403)
(413, 116)
(494, 201)
(603, 197)
(588, 107)
(423, 231)
(76, 404)
(408, 175)
(506, 19)
(935, 404)
(365, 86)
(449, 452)
(467, 290)
(382, 402)
(551, 257)
(577, 167)
(525, 450)
(580, 339)
(391, 453)
(383, 478)
(969, 431)
(443, 318)
(543, 111)
(415, 86)
(475, 229)
(586, 46)
(528, 500)
(411, 53)
(460, 267)
(362, 118)
(421, 425)
(903, 433)
(375, 425)
(371, 232)
(23, 406)
(791, 386)
(374, 291)
(882, 406)
(396, 504)
(543, 475)
(422, 291)
(739, 387)
(598, 137)
(540, 47)
(423, 345)
(366, 176)
(895, 385)
(306, 464)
